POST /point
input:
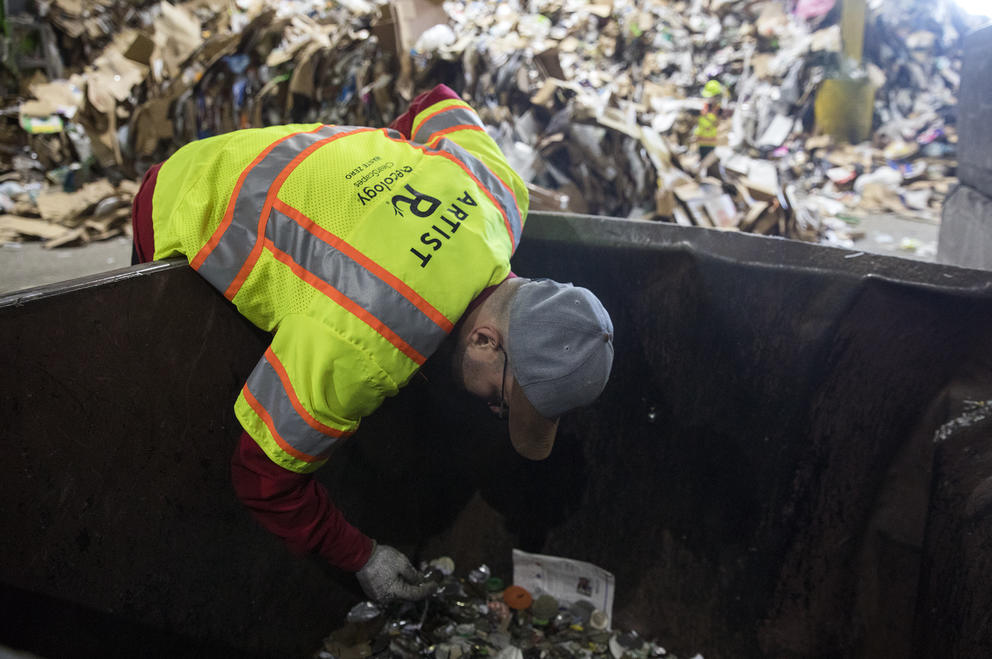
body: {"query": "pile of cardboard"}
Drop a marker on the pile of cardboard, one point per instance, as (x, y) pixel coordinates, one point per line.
(594, 103)
(95, 211)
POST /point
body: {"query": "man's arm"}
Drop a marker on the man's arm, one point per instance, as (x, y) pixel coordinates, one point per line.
(296, 508)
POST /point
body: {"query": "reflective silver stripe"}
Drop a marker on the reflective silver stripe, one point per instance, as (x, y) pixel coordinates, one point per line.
(449, 118)
(222, 265)
(265, 385)
(364, 288)
(489, 180)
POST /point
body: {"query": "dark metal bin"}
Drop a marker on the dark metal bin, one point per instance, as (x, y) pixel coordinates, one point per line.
(761, 474)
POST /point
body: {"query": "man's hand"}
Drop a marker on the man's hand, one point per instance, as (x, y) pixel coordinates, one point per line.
(388, 575)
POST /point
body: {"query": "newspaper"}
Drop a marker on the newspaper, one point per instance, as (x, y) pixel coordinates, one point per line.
(565, 579)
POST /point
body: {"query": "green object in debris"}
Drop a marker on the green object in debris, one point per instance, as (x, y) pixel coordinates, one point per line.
(41, 125)
(544, 608)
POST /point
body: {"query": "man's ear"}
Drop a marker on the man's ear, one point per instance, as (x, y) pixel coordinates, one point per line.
(484, 337)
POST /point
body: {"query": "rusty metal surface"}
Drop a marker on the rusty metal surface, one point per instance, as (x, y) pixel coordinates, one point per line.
(757, 474)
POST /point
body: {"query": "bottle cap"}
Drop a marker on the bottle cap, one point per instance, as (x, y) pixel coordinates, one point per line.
(545, 607)
(479, 575)
(517, 598)
(445, 564)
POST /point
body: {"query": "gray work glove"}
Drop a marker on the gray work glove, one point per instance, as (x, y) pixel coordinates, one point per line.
(389, 575)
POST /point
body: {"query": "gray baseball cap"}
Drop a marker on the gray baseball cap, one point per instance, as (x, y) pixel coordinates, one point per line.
(560, 348)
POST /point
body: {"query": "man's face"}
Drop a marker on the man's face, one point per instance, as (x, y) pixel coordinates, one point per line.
(483, 370)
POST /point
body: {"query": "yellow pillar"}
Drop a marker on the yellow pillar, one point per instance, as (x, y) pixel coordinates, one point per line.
(852, 28)
(844, 108)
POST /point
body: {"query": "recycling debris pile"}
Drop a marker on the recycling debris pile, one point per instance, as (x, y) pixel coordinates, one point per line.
(475, 616)
(594, 103)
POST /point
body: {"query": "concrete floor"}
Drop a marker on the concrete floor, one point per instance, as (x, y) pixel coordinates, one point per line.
(25, 265)
(898, 236)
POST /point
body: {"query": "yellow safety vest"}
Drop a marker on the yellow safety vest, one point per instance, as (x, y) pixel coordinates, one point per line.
(707, 129)
(358, 248)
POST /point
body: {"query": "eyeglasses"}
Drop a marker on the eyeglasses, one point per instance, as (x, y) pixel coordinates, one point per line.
(504, 409)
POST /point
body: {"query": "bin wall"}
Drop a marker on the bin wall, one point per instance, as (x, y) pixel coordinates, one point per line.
(965, 237)
(757, 474)
(116, 401)
(966, 220)
(975, 113)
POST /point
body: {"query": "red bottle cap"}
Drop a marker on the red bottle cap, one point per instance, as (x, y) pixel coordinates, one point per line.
(517, 598)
